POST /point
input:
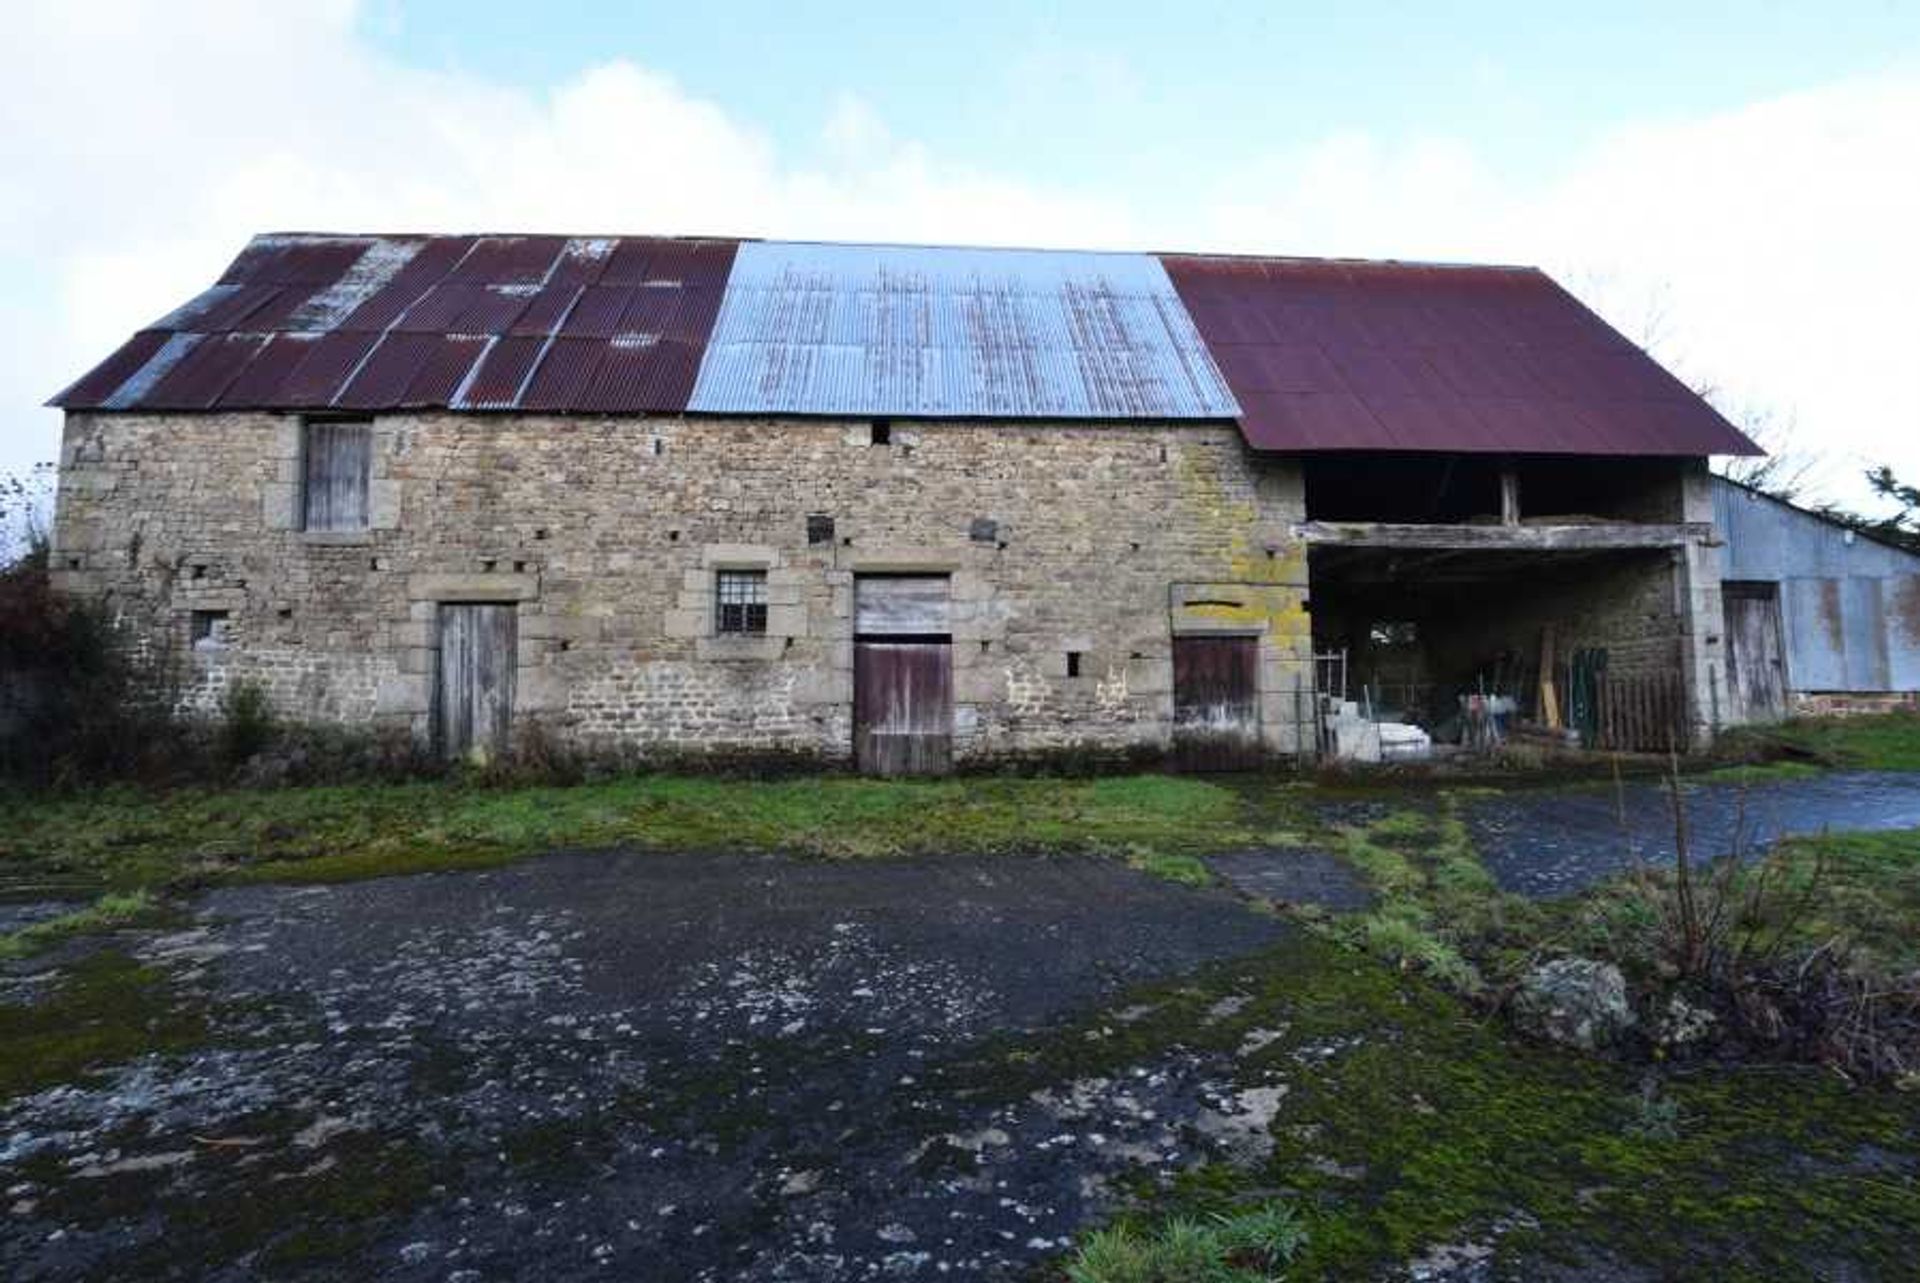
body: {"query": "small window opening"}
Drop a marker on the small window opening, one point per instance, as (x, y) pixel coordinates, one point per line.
(984, 530)
(659, 447)
(285, 612)
(73, 563)
(519, 567)
(740, 602)
(673, 536)
(819, 528)
(199, 571)
(1073, 663)
(337, 460)
(883, 432)
(541, 533)
(209, 629)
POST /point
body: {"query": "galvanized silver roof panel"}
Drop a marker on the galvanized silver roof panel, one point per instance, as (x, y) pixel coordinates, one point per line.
(951, 332)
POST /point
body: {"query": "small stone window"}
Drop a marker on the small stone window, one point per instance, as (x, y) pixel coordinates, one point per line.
(336, 461)
(819, 528)
(882, 432)
(208, 629)
(740, 602)
(1073, 663)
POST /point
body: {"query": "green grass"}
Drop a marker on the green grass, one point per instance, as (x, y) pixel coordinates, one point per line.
(1869, 895)
(1228, 1247)
(125, 839)
(1439, 909)
(1884, 742)
(115, 909)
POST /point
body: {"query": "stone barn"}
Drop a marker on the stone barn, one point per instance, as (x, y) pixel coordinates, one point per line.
(912, 507)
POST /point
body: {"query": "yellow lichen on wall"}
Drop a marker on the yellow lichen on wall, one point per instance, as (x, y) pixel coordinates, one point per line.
(1269, 587)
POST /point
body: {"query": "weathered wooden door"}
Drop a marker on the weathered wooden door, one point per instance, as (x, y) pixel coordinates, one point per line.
(1216, 705)
(474, 694)
(1756, 666)
(902, 675)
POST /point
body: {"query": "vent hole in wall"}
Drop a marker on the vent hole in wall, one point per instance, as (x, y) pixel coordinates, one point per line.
(1073, 663)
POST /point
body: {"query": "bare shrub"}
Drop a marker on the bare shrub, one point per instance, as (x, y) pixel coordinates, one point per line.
(1740, 935)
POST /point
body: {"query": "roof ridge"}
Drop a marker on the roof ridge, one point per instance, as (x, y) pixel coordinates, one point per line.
(1339, 260)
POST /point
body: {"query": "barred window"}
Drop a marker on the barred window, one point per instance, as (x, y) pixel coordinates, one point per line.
(740, 601)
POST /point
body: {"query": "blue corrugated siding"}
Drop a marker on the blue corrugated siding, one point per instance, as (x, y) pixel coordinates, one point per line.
(1850, 609)
(907, 331)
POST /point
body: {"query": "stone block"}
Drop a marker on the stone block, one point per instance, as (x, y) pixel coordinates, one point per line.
(478, 586)
(401, 693)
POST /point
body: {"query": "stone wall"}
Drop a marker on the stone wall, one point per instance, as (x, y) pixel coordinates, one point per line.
(1103, 540)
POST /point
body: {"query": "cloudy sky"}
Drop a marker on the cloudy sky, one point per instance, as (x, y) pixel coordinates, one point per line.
(1738, 185)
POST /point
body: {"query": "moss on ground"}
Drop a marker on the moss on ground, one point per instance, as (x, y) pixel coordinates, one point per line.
(1411, 1122)
(103, 1009)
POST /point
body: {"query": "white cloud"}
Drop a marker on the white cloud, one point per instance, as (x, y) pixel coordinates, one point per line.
(1766, 252)
(144, 142)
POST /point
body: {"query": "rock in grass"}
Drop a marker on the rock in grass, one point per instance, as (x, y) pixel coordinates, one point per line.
(1682, 1026)
(1576, 1002)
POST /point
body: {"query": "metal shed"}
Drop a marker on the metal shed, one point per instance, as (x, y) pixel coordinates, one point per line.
(1845, 607)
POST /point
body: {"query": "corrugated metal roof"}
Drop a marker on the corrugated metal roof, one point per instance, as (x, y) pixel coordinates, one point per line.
(900, 330)
(1336, 355)
(1306, 354)
(308, 322)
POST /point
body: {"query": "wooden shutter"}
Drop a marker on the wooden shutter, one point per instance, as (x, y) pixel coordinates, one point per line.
(896, 605)
(339, 457)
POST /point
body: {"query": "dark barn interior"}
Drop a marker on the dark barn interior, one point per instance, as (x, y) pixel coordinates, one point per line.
(1454, 630)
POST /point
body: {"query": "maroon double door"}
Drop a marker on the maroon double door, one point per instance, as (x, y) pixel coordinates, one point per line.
(902, 675)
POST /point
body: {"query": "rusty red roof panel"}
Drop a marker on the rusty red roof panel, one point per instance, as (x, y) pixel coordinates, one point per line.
(304, 322)
(268, 371)
(204, 373)
(103, 380)
(1334, 355)
(318, 378)
(497, 378)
